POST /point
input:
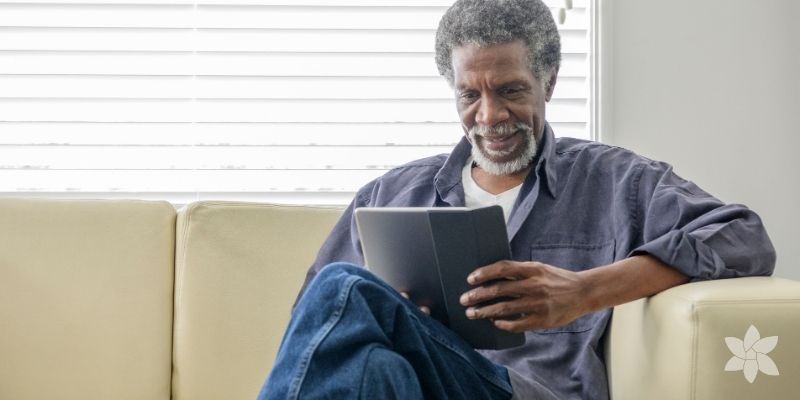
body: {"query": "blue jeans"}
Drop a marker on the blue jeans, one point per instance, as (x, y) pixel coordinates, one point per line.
(354, 337)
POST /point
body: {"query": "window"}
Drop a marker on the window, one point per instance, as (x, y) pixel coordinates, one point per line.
(264, 100)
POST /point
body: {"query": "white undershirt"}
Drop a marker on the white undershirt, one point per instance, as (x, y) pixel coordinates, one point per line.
(475, 196)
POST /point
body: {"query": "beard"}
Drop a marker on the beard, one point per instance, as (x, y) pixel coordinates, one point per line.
(506, 161)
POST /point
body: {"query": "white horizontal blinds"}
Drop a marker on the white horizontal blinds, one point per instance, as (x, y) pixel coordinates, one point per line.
(293, 101)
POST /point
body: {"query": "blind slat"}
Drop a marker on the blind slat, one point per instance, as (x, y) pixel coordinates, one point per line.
(212, 157)
(185, 180)
(323, 3)
(97, 15)
(233, 16)
(234, 64)
(180, 199)
(33, 86)
(108, 110)
(303, 133)
(234, 40)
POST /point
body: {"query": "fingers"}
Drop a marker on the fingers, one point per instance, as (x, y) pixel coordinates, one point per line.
(519, 325)
(544, 296)
(513, 316)
(494, 290)
(511, 309)
(505, 269)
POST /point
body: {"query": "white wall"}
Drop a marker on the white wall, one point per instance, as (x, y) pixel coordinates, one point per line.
(713, 87)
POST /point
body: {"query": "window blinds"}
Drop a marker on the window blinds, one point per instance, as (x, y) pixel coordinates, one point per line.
(265, 100)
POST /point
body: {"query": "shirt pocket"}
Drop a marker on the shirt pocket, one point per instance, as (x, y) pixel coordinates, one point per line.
(575, 257)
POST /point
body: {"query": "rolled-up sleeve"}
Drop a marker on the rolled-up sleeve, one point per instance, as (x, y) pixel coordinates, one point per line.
(695, 233)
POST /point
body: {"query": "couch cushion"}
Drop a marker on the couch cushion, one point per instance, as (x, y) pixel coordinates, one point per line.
(238, 269)
(85, 299)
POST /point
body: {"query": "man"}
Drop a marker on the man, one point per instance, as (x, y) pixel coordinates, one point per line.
(590, 226)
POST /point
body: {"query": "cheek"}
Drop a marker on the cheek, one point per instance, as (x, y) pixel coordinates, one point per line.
(467, 117)
(527, 115)
(533, 112)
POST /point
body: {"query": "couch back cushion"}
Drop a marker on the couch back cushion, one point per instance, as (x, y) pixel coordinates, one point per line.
(85, 299)
(239, 267)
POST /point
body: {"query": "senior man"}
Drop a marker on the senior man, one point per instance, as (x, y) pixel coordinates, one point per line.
(590, 226)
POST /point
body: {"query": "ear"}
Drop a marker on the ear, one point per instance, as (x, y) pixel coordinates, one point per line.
(550, 86)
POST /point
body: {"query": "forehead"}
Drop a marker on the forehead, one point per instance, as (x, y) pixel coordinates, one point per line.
(507, 61)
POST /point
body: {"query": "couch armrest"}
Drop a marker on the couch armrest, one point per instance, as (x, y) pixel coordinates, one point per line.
(673, 345)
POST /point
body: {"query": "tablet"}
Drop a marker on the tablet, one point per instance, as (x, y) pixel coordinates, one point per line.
(428, 253)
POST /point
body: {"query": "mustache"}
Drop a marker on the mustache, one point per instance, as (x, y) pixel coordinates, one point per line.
(499, 131)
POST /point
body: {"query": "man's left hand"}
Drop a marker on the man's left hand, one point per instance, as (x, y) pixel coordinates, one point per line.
(536, 295)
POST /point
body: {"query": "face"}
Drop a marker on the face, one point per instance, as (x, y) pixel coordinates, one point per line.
(501, 105)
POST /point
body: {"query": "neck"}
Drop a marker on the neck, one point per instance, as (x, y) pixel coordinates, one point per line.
(496, 184)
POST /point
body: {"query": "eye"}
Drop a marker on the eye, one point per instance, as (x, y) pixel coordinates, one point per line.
(511, 91)
(468, 96)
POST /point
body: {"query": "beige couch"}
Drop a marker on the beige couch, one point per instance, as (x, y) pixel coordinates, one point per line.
(133, 300)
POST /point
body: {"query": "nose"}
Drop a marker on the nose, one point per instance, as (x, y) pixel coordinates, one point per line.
(491, 111)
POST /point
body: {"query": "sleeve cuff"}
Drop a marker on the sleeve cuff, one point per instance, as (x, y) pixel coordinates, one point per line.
(686, 254)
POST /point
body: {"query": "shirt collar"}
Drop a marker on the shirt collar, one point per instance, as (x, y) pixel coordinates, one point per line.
(450, 174)
(547, 157)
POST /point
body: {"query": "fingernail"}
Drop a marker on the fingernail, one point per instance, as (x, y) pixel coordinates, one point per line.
(471, 278)
(471, 312)
(464, 298)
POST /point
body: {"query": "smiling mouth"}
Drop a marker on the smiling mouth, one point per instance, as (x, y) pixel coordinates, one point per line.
(498, 146)
(500, 139)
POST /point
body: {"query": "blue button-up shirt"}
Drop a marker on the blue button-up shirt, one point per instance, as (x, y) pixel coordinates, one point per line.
(584, 205)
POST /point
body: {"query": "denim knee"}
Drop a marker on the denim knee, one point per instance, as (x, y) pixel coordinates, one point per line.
(333, 277)
(343, 270)
(387, 375)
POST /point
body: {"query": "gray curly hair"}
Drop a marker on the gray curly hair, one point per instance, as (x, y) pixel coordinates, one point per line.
(489, 22)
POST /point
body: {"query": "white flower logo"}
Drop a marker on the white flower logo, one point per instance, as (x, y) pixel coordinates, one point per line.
(750, 355)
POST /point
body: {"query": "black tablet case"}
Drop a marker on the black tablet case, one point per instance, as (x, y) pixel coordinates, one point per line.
(428, 252)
